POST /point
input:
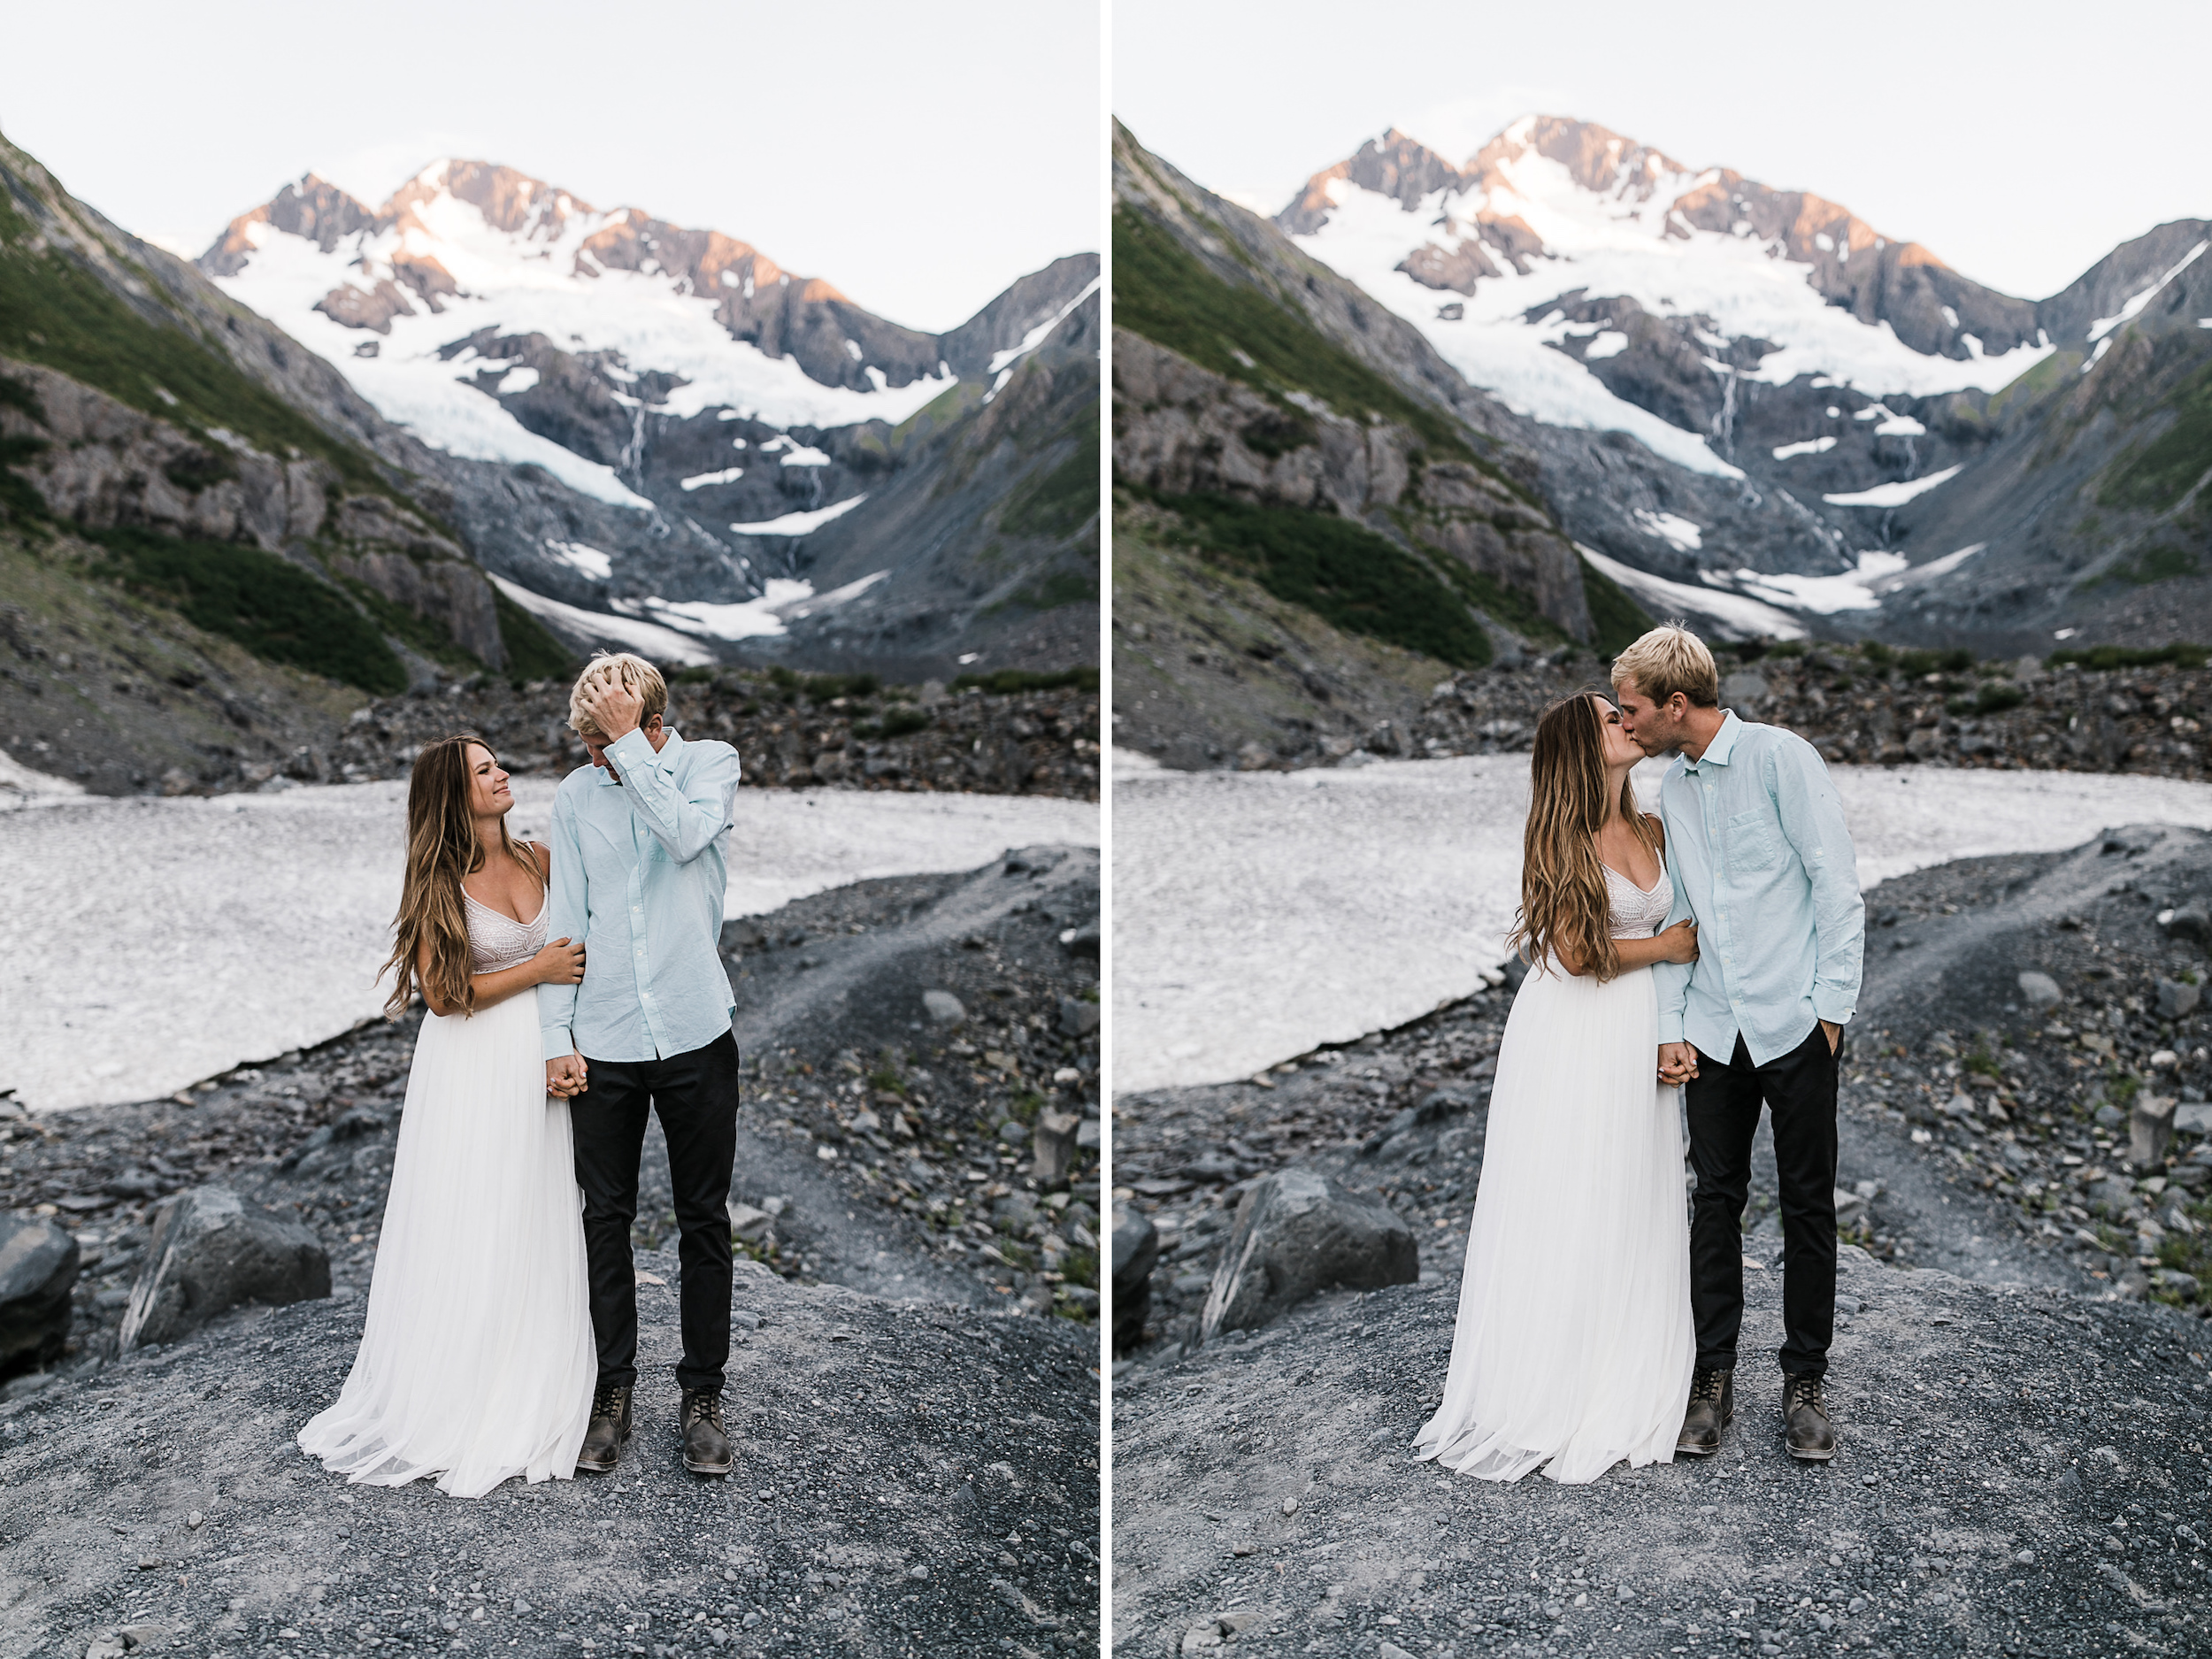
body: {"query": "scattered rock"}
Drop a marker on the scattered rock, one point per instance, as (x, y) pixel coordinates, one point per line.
(38, 1269)
(210, 1254)
(944, 1008)
(2040, 990)
(1136, 1247)
(1079, 1017)
(2177, 998)
(1055, 1145)
(1298, 1232)
(2150, 1131)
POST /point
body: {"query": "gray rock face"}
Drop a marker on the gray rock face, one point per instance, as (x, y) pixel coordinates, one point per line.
(209, 1253)
(1136, 1250)
(1297, 1233)
(2040, 990)
(1055, 1145)
(1746, 689)
(2150, 1130)
(38, 1269)
(2177, 998)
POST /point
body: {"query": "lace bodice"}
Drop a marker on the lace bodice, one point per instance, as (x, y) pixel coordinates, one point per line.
(497, 940)
(1634, 913)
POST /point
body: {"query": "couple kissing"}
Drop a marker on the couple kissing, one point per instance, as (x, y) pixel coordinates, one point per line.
(1724, 935)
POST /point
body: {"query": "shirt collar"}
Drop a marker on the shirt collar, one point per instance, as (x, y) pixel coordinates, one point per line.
(1724, 743)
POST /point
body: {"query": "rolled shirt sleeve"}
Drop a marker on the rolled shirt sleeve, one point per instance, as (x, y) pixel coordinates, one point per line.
(1812, 820)
(686, 821)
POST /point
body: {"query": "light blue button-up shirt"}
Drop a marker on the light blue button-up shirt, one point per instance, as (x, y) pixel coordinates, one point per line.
(638, 875)
(1761, 860)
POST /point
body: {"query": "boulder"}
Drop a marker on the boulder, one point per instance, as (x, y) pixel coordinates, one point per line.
(2194, 1117)
(2040, 990)
(1136, 1249)
(1297, 1232)
(209, 1253)
(2177, 998)
(2190, 921)
(2150, 1131)
(1055, 1145)
(748, 1225)
(1078, 1018)
(1746, 689)
(38, 1269)
(943, 1009)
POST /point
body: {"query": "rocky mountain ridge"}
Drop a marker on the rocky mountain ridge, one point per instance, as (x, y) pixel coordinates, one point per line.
(757, 442)
(1858, 440)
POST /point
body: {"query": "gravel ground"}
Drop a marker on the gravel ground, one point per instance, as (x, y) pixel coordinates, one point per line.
(911, 1480)
(223, 931)
(829, 995)
(1257, 914)
(2020, 1472)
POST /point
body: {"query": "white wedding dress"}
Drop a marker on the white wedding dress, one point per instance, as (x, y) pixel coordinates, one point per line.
(477, 1360)
(1574, 1344)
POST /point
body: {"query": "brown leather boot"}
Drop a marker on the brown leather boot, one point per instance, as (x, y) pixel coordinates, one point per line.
(608, 1431)
(1712, 1408)
(1811, 1436)
(706, 1443)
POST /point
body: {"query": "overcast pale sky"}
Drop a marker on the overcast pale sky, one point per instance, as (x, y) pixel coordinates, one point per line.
(919, 157)
(2019, 142)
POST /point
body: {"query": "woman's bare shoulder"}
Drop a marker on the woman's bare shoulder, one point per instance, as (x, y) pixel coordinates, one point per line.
(1658, 827)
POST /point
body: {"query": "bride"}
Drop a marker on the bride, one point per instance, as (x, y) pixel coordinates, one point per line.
(476, 1362)
(1573, 1349)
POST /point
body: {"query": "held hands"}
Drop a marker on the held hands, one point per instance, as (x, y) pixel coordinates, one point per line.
(560, 963)
(564, 1077)
(1678, 1062)
(613, 708)
(1681, 942)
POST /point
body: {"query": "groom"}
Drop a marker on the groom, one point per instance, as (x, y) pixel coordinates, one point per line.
(638, 871)
(1762, 862)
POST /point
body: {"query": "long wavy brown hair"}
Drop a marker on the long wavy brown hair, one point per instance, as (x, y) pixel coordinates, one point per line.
(442, 849)
(1563, 897)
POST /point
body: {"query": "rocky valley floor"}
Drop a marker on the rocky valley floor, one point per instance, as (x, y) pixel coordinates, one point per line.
(1985, 1143)
(890, 1196)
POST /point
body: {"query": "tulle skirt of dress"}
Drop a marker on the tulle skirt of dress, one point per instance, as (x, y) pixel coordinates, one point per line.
(1574, 1344)
(477, 1360)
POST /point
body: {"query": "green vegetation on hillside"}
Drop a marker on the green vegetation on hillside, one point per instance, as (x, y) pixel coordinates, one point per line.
(1063, 500)
(2104, 658)
(55, 313)
(1165, 295)
(1006, 682)
(532, 651)
(2165, 469)
(272, 607)
(1616, 620)
(1342, 571)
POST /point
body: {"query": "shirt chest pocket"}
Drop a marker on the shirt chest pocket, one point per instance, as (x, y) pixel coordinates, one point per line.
(1752, 842)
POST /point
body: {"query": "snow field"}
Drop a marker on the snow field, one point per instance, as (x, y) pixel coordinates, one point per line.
(1258, 914)
(156, 942)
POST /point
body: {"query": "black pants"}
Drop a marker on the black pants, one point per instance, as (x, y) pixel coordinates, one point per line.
(696, 1095)
(1723, 1105)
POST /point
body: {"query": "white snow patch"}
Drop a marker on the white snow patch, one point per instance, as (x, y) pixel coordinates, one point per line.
(1901, 426)
(521, 378)
(662, 644)
(1853, 590)
(799, 523)
(2128, 312)
(261, 920)
(727, 475)
(1811, 446)
(837, 597)
(1950, 315)
(748, 619)
(22, 786)
(1676, 531)
(1000, 361)
(1934, 568)
(1607, 342)
(1259, 914)
(803, 455)
(1894, 494)
(576, 556)
(1733, 616)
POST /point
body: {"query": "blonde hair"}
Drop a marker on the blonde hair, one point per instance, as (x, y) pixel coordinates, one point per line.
(1669, 659)
(610, 667)
(442, 848)
(1564, 903)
